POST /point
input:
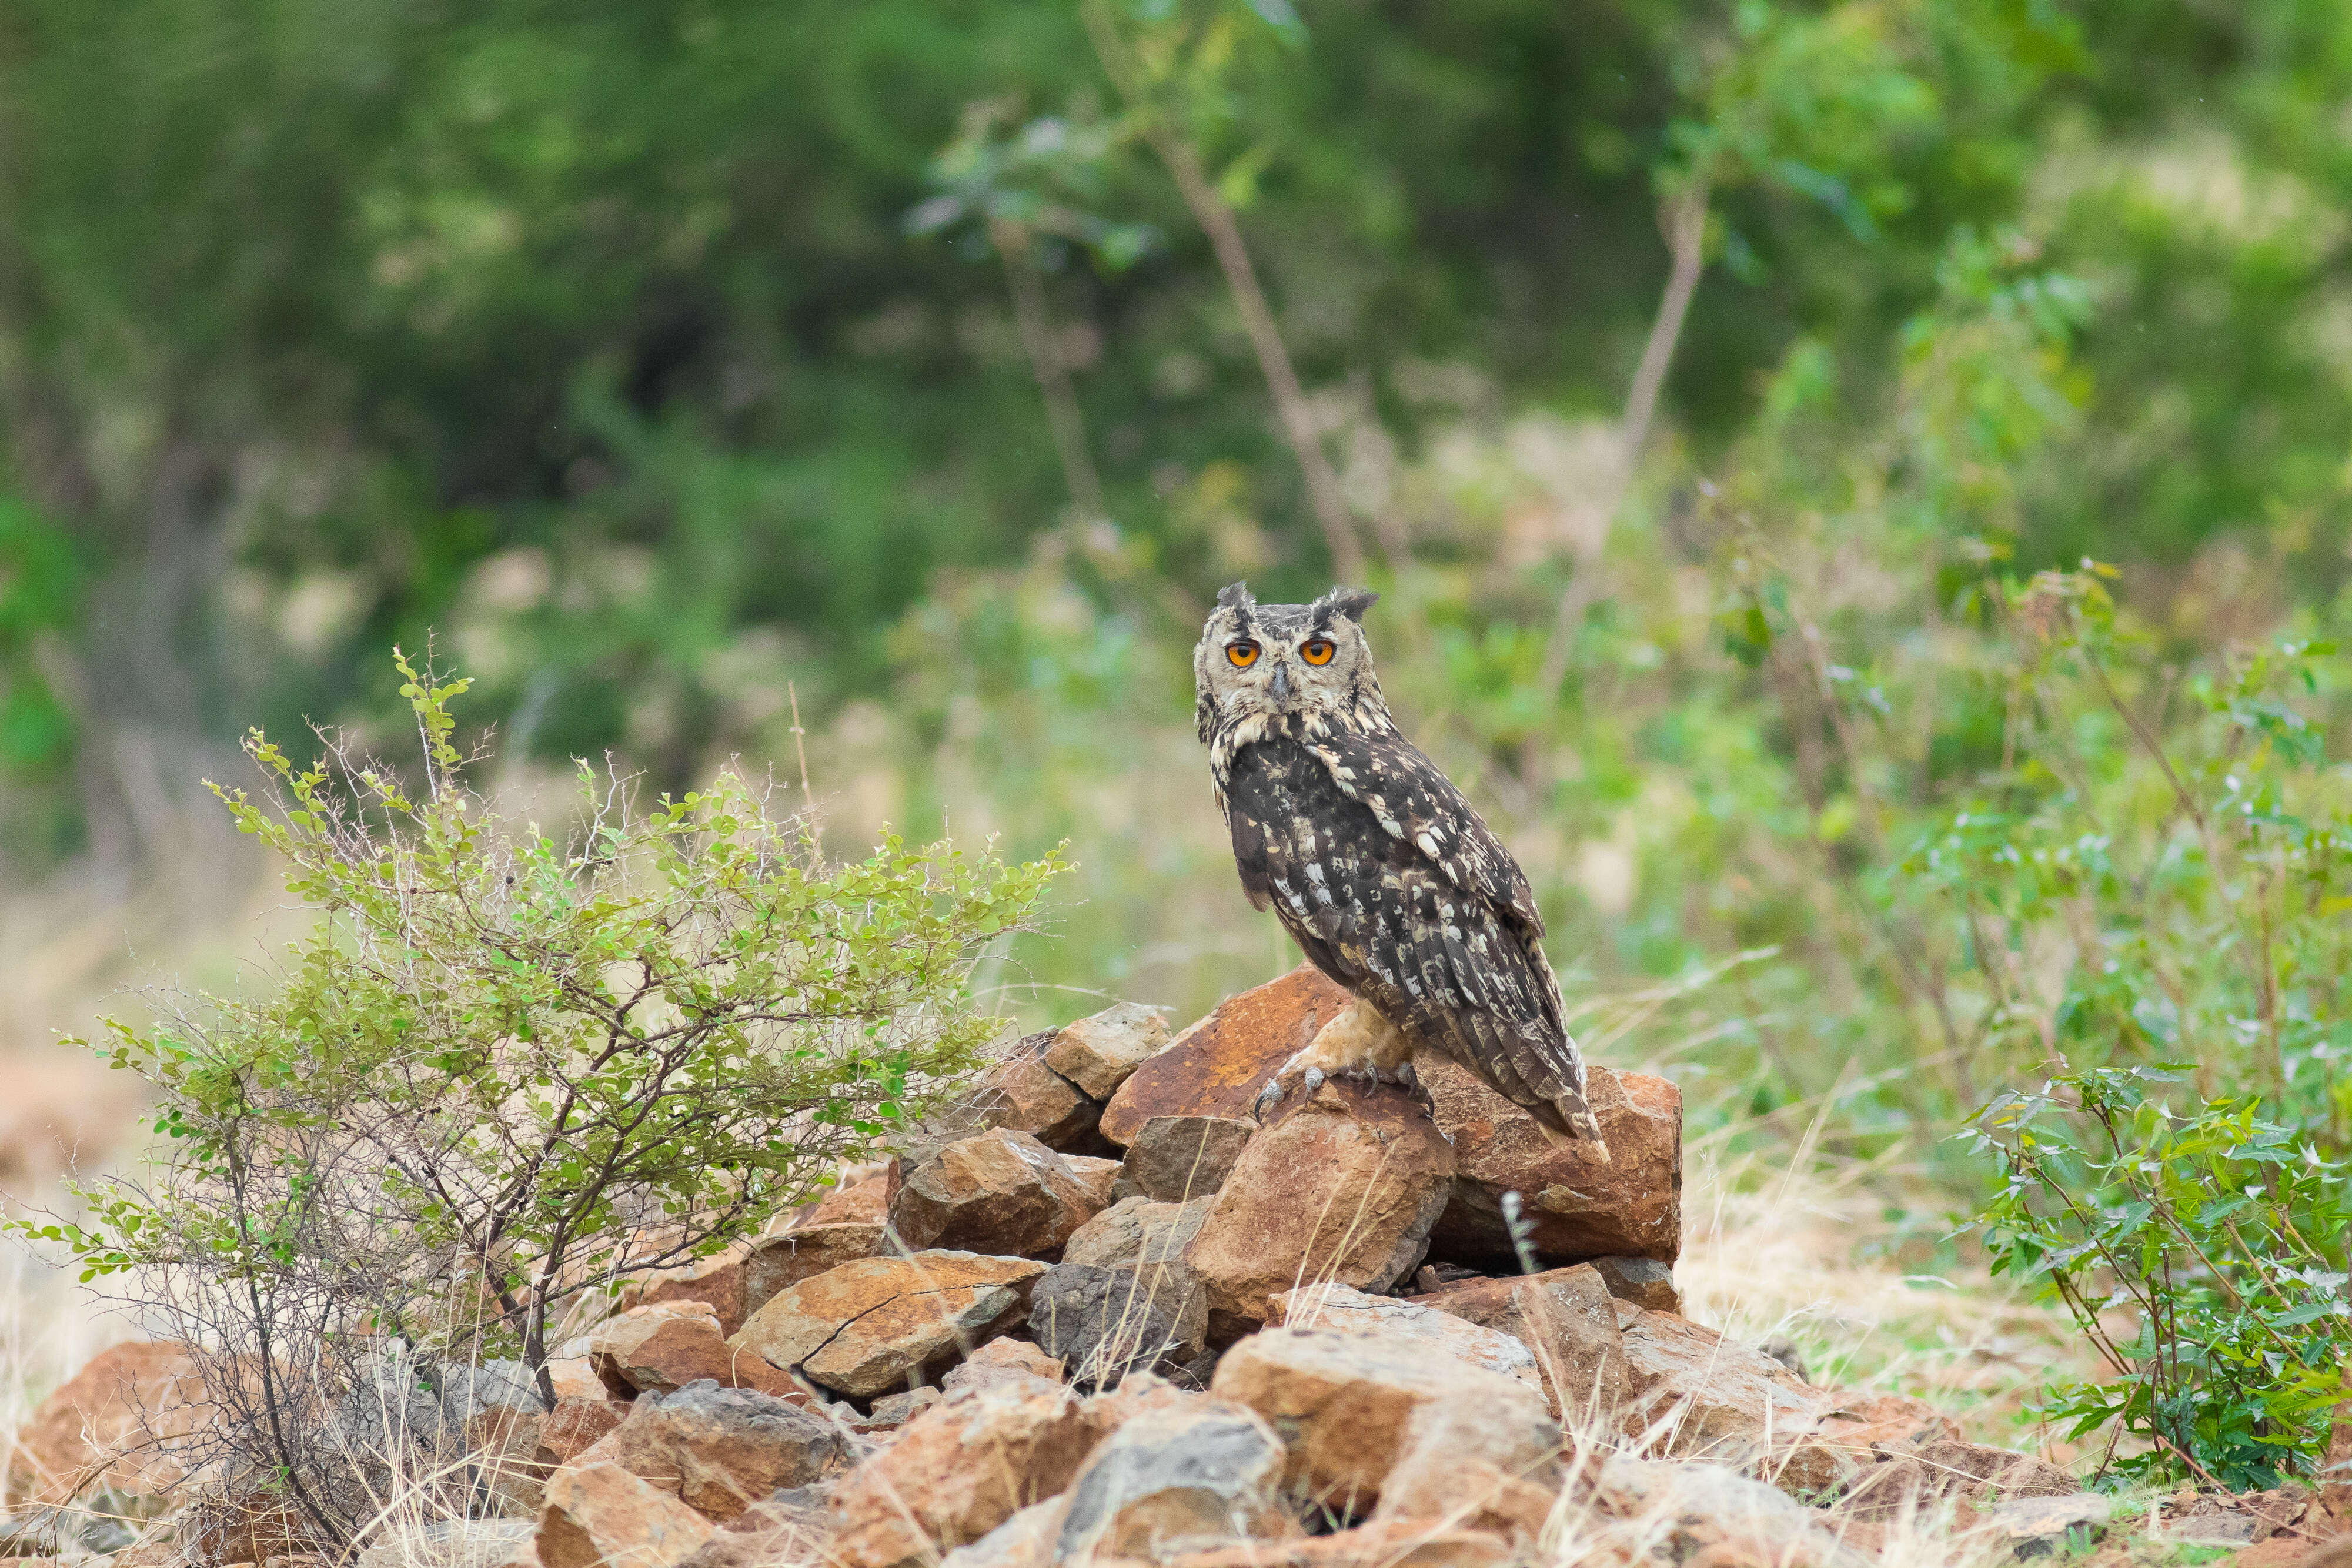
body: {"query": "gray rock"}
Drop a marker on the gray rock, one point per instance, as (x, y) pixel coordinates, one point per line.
(726, 1448)
(1707, 1501)
(1175, 1479)
(1348, 1311)
(1101, 1323)
(898, 1409)
(1644, 1281)
(1175, 1159)
(2042, 1526)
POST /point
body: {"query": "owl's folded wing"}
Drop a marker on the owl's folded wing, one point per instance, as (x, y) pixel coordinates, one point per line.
(1418, 805)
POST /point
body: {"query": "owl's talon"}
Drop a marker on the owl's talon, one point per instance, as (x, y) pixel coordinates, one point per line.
(1312, 1079)
(1267, 1098)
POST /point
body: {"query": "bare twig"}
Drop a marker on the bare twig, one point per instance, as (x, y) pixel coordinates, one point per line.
(1014, 244)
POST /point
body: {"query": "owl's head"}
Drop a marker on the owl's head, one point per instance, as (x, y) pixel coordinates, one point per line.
(1296, 660)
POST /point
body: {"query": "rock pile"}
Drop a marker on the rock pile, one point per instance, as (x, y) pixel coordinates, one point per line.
(1108, 1315)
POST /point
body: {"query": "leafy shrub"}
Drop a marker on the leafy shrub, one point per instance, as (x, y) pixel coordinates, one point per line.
(2143, 910)
(2219, 1232)
(503, 1071)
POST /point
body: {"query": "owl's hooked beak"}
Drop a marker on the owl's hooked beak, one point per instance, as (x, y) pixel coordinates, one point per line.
(1280, 685)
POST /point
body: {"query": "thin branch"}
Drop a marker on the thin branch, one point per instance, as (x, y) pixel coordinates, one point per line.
(1014, 243)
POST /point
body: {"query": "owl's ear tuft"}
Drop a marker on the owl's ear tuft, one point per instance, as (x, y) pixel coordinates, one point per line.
(1350, 602)
(1235, 596)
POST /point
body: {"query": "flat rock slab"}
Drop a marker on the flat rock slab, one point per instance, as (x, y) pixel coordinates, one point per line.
(1216, 1067)
(1578, 1207)
(1346, 1311)
(873, 1326)
(1343, 1187)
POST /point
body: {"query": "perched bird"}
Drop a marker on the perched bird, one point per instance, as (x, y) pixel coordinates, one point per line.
(1376, 864)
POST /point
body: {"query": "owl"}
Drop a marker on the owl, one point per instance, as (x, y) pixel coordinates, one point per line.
(1376, 864)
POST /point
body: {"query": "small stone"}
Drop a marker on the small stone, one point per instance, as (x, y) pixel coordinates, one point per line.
(898, 1409)
(716, 1280)
(600, 1513)
(775, 1263)
(879, 1324)
(1644, 1281)
(1099, 1053)
(1101, 1323)
(1343, 1186)
(1346, 1311)
(1023, 1095)
(1565, 1316)
(1010, 1362)
(1576, 1206)
(1099, 1177)
(957, 1472)
(722, 1449)
(1178, 1158)
(1708, 1394)
(1177, 1477)
(1349, 1405)
(1216, 1067)
(1137, 1230)
(1002, 1192)
(573, 1427)
(660, 1349)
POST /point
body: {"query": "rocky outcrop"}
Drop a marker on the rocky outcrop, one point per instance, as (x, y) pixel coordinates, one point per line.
(875, 1325)
(1343, 1187)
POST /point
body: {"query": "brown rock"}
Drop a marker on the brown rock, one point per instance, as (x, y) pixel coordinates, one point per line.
(1578, 1206)
(1644, 1281)
(1846, 1441)
(1024, 1541)
(1709, 1394)
(1972, 1469)
(1178, 1158)
(776, 1263)
(1099, 1177)
(1348, 1406)
(719, 1450)
(1002, 1362)
(958, 1470)
(1450, 1467)
(1702, 1513)
(1216, 1067)
(1099, 1053)
(861, 1194)
(1023, 1095)
(1346, 1311)
(717, 1281)
(1432, 1543)
(1565, 1316)
(1137, 1231)
(1177, 1476)
(597, 1514)
(120, 1424)
(1343, 1186)
(785, 1527)
(573, 1427)
(574, 1376)
(1002, 1192)
(871, 1326)
(659, 1349)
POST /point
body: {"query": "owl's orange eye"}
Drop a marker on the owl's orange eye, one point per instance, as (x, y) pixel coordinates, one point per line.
(1242, 654)
(1317, 649)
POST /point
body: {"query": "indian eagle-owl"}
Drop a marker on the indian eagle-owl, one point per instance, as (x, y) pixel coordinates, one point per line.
(1376, 864)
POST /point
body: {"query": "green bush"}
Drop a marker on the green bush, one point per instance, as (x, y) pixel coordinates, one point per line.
(504, 1070)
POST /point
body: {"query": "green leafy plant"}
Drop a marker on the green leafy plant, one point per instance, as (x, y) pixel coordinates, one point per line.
(504, 1072)
(2215, 1234)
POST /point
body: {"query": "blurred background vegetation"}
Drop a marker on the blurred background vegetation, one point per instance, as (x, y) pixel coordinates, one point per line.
(1704, 385)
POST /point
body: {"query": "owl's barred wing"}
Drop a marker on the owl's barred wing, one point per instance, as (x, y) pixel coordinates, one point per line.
(1457, 967)
(1418, 805)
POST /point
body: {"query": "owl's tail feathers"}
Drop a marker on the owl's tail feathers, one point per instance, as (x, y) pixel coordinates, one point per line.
(1582, 1126)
